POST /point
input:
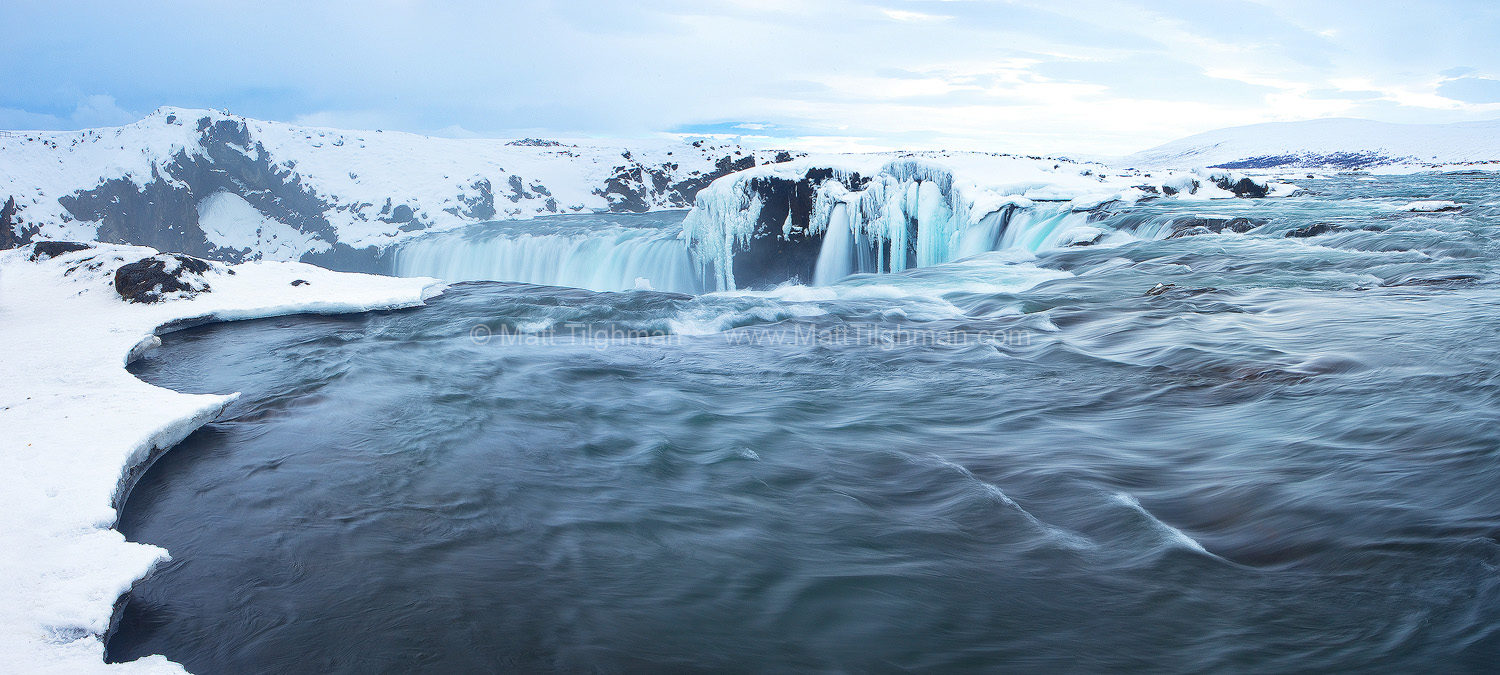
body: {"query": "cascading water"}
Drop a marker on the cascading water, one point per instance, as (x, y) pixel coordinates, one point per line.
(848, 247)
(909, 214)
(606, 252)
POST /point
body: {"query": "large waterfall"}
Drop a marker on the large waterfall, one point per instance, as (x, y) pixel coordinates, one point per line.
(605, 252)
(815, 226)
(615, 252)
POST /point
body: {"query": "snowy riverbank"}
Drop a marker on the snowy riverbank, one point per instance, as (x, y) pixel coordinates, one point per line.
(77, 425)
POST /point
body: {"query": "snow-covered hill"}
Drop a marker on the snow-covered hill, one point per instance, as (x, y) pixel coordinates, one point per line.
(1332, 144)
(223, 186)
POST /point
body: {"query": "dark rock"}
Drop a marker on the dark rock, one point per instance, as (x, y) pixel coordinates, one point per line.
(12, 233)
(1243, 225)
(782, 247)
(1189, 232)
(633, 185)
(517, 193)
(1188, 226)
(299, 282)
(1172, 291)
(1243, 187)
(1312, 230)
(43, 250)
(1342, 160)
(1089, 242)
(401, 214)
(345, 258)
(1448, 281)
(535, 143)
(150, 279)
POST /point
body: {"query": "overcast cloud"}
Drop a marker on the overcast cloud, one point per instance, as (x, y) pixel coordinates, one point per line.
(1058, 77)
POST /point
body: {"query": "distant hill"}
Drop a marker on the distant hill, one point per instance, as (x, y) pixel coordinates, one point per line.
(1337, 143)
(217, 185)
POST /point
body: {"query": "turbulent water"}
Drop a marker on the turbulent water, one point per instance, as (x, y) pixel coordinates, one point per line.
(1287, 457)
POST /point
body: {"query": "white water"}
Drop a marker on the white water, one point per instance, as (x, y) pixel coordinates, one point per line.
(601, 253)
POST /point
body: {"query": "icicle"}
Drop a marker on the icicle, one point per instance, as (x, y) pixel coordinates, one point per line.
(909, 213)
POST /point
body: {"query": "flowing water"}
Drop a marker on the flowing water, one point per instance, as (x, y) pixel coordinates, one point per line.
(604, 252)
(1287, 457)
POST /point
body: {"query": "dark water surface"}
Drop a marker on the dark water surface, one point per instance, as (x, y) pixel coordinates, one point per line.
(1289, 460)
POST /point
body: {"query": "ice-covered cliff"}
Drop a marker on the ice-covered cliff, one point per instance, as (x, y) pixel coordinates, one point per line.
(1333, 144)
(821, 218)
(223, 186)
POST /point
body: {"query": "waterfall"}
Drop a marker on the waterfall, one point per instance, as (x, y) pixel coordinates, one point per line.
(613, 252)
(836, 259)
(910, 213)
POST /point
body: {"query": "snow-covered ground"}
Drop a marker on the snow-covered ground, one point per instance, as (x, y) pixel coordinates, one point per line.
(1336, 143)
(76, 424)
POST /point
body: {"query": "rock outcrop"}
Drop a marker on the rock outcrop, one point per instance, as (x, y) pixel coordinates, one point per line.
(161, 276)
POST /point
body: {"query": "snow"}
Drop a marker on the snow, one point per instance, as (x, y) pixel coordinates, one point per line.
(231, 222)
(77, 424)
(1432, 206)
(1334, 143)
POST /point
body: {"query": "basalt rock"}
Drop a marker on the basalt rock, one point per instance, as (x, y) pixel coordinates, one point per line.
(633, 184)
(1243, 187)
(9, 238)
(153, 279)
(783, 245)
(1312, 230)
(44, 250)
(1188, 226)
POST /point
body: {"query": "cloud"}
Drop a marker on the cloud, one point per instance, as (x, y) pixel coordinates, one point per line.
(1471, 90)
(1101, 76)
(98, 110)
(905, 15)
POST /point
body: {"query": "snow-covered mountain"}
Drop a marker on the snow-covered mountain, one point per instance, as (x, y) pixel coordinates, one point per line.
(222, 186)
(1332, 144)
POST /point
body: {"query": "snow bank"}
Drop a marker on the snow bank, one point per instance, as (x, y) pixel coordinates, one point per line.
(76, 424)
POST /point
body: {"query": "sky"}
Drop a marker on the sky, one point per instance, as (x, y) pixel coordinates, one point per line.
(1084, 77)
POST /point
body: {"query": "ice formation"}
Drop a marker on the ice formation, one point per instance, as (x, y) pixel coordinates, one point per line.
(887, 213)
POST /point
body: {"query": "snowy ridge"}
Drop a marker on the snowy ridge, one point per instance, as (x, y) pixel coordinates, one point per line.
(891, 211)
(1334, 144)
(170, 181)
(77, 425)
